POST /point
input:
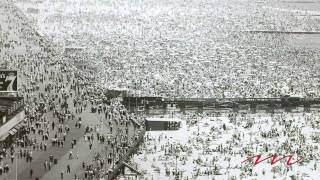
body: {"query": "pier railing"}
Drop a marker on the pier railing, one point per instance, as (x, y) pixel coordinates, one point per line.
(219, 102)
(120, 164)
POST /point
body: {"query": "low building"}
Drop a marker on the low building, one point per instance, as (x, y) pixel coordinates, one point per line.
(11, 116)
(162, 124)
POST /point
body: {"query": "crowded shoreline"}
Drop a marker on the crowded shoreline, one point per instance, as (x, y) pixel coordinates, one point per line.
(213, 146)
(73, 130)
(126, 45)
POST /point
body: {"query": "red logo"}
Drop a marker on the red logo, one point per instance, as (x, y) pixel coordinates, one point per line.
(273, 159)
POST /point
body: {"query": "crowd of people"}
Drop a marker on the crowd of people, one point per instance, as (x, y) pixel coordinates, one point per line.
(188, 48)
(155, 48)
(216, 146)
(57, 97)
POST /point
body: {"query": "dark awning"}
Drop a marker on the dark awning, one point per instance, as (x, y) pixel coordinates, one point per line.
(13, 131)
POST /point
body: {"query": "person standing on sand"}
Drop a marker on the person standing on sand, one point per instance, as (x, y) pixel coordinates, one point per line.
(31, 173)
(61, 174)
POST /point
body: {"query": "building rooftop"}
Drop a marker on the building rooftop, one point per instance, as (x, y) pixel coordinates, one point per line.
(8, 102)
(164, 119)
